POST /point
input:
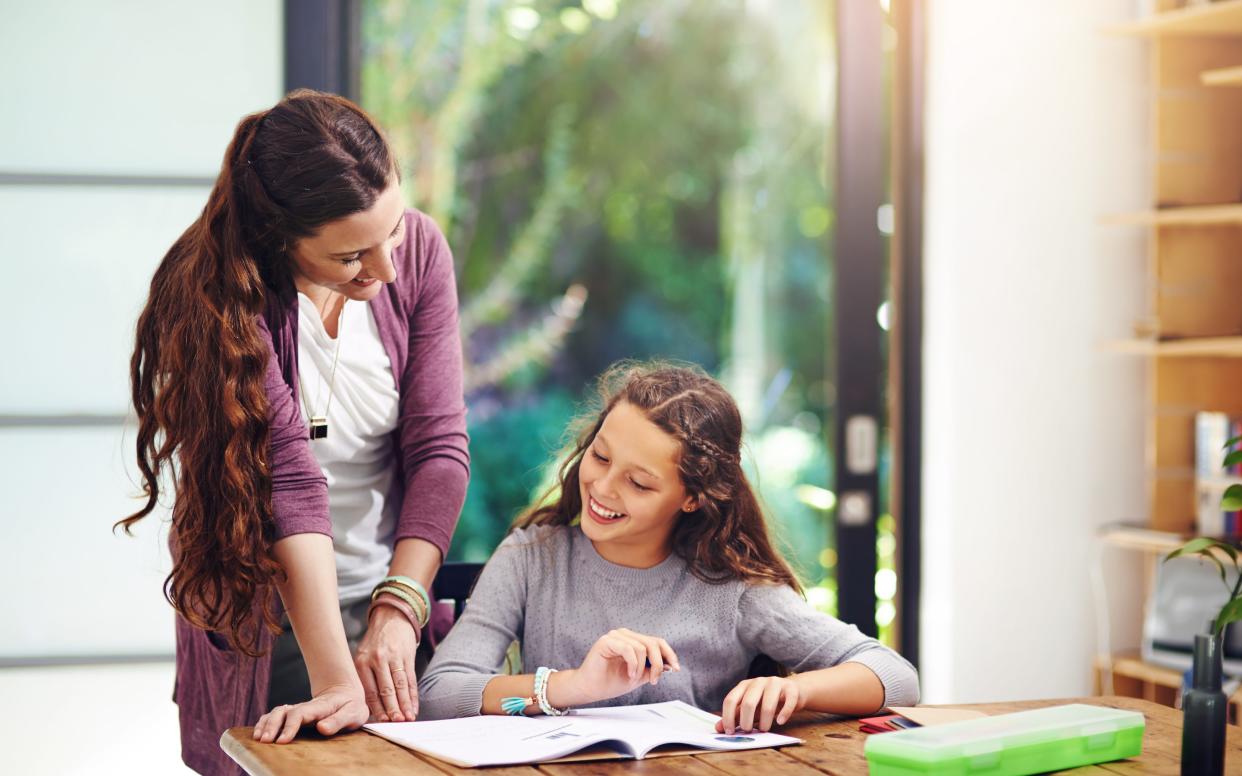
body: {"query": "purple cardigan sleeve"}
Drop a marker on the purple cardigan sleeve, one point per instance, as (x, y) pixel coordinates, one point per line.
(299, 490)
(433, 441)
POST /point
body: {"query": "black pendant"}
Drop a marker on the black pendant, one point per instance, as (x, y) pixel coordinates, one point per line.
(318, 427)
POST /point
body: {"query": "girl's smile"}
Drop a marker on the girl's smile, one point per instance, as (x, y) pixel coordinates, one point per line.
(601, 513)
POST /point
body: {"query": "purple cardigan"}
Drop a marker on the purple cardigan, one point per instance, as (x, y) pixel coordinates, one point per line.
(217, 687)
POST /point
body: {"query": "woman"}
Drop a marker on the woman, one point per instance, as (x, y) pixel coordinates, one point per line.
(304, 287)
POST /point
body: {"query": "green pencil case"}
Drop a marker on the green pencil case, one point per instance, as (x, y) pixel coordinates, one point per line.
(1025, 742)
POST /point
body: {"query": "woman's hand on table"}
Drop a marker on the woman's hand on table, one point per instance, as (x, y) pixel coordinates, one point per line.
(335, 708)
(385, 663)
(757, 704)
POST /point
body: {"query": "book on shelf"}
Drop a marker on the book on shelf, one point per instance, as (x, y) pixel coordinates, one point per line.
(583, 734)
(1212, 431)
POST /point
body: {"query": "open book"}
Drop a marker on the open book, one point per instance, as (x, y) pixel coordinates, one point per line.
(619, 731)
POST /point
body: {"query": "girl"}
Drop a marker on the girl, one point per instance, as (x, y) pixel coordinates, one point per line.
(651, 577)
(298, 372)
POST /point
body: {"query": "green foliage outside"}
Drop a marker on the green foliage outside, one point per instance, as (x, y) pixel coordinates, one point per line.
(625, 180)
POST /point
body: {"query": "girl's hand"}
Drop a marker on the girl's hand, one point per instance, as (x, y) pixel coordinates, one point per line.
(385, 663)
(618, 662)
(337, 708)
(756, 703)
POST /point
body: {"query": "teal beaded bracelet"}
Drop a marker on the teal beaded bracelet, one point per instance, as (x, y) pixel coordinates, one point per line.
(516, 706)
(541, 692)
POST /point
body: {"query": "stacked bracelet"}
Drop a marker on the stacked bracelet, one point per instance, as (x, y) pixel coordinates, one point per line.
(416, 605)
(409, 591)
(395, 603)
(516, 706)
(541, 692)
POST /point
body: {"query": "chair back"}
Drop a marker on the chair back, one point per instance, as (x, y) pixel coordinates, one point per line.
(454, 582)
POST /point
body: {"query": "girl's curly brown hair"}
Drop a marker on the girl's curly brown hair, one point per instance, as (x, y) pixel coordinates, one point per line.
(726, 538)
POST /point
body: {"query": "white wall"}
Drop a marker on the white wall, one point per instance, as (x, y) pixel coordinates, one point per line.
(1037, 125)
(127, 88)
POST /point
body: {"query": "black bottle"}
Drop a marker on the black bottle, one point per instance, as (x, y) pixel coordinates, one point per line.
(1203, 707)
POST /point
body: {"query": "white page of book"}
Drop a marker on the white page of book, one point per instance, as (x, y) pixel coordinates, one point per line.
(497, 740)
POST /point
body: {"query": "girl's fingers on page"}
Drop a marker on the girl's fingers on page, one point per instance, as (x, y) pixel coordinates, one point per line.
(791, 695)
(750, 702)
(728, 714)
(768, 705)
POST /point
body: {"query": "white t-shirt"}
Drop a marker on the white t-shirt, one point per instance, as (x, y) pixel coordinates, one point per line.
(356, 456)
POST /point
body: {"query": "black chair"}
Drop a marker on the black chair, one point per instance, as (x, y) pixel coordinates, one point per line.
(454, 582)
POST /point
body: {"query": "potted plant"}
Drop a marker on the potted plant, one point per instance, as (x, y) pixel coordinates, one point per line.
(1204, 704)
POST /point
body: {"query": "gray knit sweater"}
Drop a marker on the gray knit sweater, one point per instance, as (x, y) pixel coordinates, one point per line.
(548, 588)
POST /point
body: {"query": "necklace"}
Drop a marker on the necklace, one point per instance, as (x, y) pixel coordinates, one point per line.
(319, 423)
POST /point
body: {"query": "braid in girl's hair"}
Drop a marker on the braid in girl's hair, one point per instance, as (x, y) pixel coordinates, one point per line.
(712, 449)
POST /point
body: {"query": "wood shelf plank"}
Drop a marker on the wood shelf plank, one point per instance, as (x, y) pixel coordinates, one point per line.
(1225, 76)
(1199, 347)
(1142, 539)
(1200, 215)
(1134, 537)
(1215, 19)
(1132, 665)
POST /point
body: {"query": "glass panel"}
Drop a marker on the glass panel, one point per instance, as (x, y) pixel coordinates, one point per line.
(626, 179)
(140, 87)
(108, 241)
(63, 489)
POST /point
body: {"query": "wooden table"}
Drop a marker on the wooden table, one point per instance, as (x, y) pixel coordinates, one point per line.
(832, 746)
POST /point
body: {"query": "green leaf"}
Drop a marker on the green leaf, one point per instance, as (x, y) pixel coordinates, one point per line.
(1232, 500)
(1231, 442)
(1195, 546)
(1232, 459)
(1230, 612)
(1203, 548)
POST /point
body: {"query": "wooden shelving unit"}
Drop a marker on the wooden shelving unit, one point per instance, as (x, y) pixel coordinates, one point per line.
(1193, 330)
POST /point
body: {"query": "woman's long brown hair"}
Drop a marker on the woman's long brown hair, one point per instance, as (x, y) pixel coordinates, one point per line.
(726, 538)
(199, 362)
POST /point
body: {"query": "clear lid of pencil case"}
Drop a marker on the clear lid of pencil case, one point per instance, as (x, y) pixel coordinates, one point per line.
(1057, 736)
